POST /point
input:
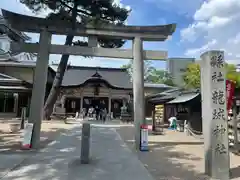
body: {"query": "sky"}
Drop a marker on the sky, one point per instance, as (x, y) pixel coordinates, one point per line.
(202, 25)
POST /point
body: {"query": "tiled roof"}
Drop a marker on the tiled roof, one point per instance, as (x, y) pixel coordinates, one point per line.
(116, 77)
(155, 85)
(12, 84)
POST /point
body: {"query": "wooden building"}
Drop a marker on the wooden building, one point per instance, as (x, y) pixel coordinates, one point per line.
(16, 82)
(185, 105)
(85, 87)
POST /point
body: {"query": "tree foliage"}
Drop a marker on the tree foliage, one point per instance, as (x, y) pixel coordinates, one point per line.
(87, 12)
(151, 74)
(160, 76)
(192, 75)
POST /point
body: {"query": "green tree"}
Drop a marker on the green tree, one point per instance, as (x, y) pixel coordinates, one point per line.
(160, 76)
(151, 74)
(146, 72)
(87, 12)
(233, 74)
(192, 75)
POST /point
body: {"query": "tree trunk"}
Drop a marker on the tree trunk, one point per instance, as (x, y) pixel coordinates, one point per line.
(54, 92)
(52, 97)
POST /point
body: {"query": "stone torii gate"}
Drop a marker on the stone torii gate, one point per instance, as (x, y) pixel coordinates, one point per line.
(48, 27)
(213, 81)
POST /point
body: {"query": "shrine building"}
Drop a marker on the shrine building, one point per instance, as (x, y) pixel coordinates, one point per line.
(85, 87)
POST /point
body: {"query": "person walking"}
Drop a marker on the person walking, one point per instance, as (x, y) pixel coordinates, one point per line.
(104, 114)
(97, 110)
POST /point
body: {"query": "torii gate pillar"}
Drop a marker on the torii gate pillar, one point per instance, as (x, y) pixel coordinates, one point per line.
(38, 92)
(138, 88)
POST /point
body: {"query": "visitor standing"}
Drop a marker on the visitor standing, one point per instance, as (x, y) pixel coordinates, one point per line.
(104, 114)
(97, 110)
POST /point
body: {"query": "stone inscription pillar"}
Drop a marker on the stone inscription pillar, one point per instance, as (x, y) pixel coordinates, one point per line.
(214, 115)
(39, 86)
(206, 104)
(138, 88)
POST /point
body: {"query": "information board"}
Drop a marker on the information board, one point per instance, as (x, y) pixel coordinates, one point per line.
(158, 119)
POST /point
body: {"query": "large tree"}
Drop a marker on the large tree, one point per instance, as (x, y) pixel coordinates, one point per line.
(146, 72)
(159, 76)
(93, 12)
(192, 75)
(151, 74)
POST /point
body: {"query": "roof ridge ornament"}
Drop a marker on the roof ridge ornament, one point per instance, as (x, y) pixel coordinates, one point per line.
(96, 75)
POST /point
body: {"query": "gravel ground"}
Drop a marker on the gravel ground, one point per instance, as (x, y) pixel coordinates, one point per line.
(11, 142)
(175, 156)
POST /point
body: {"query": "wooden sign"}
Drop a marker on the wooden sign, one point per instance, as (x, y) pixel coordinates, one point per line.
(158, 119)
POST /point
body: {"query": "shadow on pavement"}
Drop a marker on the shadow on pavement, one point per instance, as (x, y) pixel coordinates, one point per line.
(14, 147)
(44, 165)
(235, 172)
(110, 159)
(162, 161)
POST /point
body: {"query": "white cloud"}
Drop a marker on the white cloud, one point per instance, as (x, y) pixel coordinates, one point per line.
(200, 50)
(118, 2)
(219, 8)
(214, 26)
(183, 7)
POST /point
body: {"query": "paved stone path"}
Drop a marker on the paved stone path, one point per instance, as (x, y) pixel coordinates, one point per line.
(7, 162)
(176, 156)
(111, 159)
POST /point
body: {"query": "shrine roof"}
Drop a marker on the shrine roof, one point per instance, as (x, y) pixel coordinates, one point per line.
(116, 77)
(12, 84)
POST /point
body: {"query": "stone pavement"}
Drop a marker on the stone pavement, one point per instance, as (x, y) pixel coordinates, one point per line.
(175, 156)
(10, 147)
(110, 159)
(10, 161)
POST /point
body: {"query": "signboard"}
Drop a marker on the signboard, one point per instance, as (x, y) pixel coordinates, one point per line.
(219, 125)
(158, 119)
(27, 136)
(144, 138)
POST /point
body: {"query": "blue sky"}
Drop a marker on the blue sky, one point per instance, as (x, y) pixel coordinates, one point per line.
(201, 25)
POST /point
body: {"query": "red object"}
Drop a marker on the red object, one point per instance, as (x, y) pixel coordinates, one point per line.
(144, 126)
(26, 146)
(230, 87)
(150, 127)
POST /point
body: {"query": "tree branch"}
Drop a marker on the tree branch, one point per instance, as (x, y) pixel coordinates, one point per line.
(83, 12)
